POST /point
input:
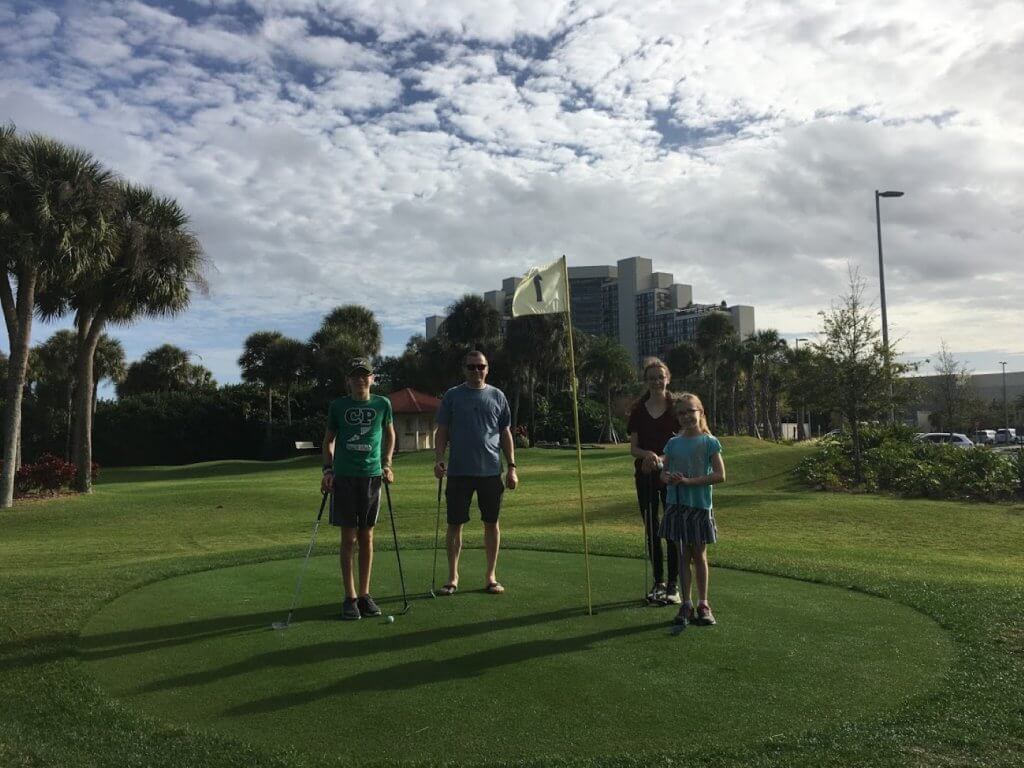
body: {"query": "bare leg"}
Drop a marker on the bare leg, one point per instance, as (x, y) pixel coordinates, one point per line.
(348, 543)
(454, 541)
(700, 566)
(492, 541)
(685, 573)
(365, 559)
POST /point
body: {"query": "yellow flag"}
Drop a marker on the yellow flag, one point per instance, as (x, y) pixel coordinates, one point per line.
(541, 292)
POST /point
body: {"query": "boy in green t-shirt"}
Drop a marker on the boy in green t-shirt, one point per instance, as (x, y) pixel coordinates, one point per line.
(358, 445)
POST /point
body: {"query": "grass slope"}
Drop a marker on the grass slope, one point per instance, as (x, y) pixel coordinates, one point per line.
(62, 561)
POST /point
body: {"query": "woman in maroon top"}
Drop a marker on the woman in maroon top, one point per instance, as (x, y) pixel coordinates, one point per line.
(651, 423)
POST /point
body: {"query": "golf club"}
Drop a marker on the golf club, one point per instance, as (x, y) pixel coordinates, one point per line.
(437, 533)
(398, 555)
(298, 587)
(652, 489)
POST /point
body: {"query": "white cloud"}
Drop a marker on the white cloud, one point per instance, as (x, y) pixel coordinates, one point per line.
(420, 150)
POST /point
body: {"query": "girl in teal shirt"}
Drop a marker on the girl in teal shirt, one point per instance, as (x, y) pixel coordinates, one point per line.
(693, 463)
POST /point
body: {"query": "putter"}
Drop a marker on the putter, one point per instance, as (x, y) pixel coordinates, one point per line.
(437, 533)
(398, 555)
(652, 489)
(298, 587)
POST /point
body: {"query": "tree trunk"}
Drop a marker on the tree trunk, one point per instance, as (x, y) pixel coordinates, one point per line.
(533, 410)
(752, 406)
(515, 403)
(288, 404)
(89, 332)
(95, 398)
(270, 418)
(612, 437)
(69, 410)
(19, 319)
(733, 420)
(714, 396)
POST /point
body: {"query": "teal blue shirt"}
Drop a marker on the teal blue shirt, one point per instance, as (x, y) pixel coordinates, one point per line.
(692, 457)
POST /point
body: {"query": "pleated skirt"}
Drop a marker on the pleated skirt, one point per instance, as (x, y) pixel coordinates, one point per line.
(689, 525)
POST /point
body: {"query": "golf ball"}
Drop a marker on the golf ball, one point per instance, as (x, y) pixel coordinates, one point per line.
(391, 619)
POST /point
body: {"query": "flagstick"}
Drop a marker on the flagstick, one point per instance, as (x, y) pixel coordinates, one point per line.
(576, 425)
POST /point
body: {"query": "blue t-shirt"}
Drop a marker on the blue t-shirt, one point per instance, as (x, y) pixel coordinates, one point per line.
(692, 457)
(475, 419)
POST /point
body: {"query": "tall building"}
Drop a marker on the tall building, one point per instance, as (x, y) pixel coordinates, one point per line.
(645, 310)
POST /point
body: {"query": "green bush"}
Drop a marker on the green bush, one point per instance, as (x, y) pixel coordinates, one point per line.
(893, 461)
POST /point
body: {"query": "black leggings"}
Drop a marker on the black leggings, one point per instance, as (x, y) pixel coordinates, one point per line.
(649, 496)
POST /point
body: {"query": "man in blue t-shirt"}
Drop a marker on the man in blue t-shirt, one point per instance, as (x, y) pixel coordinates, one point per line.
(474, 420)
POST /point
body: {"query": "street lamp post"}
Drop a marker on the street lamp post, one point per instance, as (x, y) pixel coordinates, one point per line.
(881, 285)
(1006, 412)
(800, 410)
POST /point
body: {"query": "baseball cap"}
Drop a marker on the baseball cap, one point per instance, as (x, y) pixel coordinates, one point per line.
(357, 364)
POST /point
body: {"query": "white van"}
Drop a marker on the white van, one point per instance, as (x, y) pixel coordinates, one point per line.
(1006, 436)
(985, 437)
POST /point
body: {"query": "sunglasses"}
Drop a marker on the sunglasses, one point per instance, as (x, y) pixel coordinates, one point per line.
(476, 367)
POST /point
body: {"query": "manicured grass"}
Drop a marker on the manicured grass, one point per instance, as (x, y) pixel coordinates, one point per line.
(61, 562)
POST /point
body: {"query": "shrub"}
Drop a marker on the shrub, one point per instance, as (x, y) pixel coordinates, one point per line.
(893, 461)
(48, 474)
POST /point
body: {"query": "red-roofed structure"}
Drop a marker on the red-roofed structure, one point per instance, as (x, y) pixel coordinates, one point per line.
(414, 419)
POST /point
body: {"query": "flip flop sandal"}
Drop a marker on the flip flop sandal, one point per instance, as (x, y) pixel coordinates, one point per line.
(494, 588)
(448, 589)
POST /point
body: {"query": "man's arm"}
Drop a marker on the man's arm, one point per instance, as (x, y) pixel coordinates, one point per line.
(327, 454)
(509, 449)
(440, 446)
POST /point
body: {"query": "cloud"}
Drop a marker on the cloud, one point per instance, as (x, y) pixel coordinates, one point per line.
(399, 155)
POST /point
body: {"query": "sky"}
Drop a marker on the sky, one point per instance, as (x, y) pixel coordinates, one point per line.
(401, 154)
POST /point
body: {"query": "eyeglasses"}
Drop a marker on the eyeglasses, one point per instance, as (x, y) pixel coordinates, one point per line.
(476, 367)
(654, 379)
(689, 410)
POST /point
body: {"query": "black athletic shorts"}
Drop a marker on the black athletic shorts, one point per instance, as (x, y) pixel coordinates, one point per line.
(355, 501)
(459, 493)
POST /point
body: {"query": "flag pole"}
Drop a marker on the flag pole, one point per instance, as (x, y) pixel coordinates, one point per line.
(576, 426)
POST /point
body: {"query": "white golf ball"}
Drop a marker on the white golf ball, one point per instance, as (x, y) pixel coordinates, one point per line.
(391, 619)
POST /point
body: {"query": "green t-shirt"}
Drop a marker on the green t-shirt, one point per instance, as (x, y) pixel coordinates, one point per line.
(358, 426)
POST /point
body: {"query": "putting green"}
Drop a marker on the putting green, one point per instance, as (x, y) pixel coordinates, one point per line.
(524, 674)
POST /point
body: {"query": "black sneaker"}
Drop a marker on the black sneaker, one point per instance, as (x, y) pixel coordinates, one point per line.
(367, 607)
(657, 594)
(350, 610)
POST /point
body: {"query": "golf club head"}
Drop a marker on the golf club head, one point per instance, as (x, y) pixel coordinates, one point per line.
(279, 625)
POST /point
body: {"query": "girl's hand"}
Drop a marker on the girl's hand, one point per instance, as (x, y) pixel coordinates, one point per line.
(650, 462)
(682, 479)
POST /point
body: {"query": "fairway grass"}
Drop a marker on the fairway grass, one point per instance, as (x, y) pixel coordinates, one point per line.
(73, 658)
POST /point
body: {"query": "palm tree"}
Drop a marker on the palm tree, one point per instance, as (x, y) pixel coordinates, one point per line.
(288, 359)
(748, 365)
(54, 212)
(769, 350)
(712, 332)
(346, 332)
(165, 369)
(610, 365)
(157, 263)
(256, 367)
(732, 355)
(472, 323)
(56, 360)
(108, 363)
(684, 361)
(355, 322)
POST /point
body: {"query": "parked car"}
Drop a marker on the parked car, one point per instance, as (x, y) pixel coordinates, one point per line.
(955, 439)
(984, 437)
(1006, 436)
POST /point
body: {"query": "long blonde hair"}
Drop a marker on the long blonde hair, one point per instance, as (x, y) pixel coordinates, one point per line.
(702, 418)
(653, 362)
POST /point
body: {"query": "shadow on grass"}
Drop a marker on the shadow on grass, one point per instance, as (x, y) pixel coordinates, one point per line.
(342, 648)
(426, 671)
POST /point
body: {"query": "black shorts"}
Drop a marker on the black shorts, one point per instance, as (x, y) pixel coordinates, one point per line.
(459, 493)
(355, 501)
